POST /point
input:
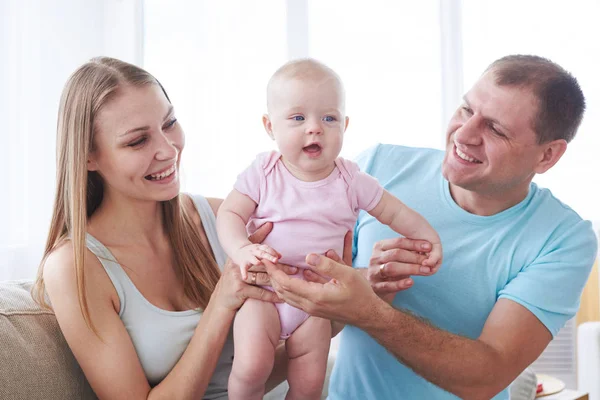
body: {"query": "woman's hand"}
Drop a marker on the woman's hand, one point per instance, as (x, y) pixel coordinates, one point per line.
(257, 274)
(232, 291)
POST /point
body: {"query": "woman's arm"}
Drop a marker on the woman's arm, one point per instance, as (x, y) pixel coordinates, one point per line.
(110, 361)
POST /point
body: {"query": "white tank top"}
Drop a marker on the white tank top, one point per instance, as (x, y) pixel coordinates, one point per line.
(159, 336)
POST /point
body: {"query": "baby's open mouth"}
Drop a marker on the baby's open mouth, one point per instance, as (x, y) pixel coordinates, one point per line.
(313, 148)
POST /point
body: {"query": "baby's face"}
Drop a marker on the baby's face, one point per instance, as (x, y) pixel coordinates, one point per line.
(307, 120)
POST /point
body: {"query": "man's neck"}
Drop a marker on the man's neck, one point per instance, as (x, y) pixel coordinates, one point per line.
(485, 204)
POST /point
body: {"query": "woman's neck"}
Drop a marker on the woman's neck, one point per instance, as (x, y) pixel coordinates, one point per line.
(125, 220)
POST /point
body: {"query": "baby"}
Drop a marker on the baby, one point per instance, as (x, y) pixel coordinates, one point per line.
(313, 198)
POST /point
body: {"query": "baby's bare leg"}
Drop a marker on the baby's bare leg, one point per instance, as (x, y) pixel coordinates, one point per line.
(307, 349)
(256, 331)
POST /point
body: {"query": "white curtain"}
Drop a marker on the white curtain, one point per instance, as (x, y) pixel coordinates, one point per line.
(567, 33)
(41, 43)
(403, 63)
(215, 59)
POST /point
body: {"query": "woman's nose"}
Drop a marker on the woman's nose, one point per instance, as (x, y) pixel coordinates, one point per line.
(166, 149)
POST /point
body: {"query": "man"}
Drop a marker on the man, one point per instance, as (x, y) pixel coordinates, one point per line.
(515, 258)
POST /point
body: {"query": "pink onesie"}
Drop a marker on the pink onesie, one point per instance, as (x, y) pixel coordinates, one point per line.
(308, 217)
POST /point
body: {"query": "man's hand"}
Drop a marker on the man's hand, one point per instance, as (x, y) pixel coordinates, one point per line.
(347, 297)
(392, 263)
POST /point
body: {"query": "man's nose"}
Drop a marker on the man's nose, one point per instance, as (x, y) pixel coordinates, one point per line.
(470, 131)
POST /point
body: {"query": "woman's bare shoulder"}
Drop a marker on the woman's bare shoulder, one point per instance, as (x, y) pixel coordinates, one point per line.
(60, 275)
(60, 263)
(213, 202)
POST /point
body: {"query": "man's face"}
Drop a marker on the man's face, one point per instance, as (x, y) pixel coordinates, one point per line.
(491, 147)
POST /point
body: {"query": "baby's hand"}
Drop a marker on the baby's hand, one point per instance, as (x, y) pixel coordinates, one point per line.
(252, 254)
(435, 257)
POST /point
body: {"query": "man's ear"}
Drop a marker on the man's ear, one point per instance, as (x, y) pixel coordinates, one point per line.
(268, 126)
(346, 124)
(552, 152)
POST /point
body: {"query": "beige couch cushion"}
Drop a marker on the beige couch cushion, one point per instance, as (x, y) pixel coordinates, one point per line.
(35, 361)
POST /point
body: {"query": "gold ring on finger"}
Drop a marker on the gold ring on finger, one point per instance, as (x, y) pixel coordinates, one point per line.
(381, 274)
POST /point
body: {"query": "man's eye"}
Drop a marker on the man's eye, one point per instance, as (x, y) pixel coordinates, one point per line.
(496, 131)
(329, 118)
(298, 118)
(467, 110)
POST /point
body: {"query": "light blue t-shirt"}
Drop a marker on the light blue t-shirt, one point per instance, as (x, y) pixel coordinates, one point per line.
(538, 253)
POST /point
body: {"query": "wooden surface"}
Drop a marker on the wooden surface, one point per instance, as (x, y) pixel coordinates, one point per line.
(590, 299)
(566, 394)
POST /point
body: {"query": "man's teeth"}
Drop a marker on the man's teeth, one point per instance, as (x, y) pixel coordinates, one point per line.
(466, 157)
(163, 175)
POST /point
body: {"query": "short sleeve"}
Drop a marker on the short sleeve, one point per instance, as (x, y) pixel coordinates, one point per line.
(252, 179)
(365, 190)
(551, 286)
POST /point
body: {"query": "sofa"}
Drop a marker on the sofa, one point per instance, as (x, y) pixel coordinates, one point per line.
(35, 361)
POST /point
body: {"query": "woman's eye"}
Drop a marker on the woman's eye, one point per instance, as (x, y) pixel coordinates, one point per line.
(170, 123)
(467, 110)
(138, 142)
(329, 118)
(298, 118)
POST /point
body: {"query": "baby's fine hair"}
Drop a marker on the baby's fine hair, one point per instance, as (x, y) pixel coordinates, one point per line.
(306, 69)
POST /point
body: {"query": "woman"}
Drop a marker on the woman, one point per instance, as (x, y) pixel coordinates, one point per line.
(131, 266)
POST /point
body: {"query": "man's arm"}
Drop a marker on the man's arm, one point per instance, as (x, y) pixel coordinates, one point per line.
(512, 337)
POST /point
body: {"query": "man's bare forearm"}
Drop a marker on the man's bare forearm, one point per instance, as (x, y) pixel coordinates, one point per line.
(462, 366)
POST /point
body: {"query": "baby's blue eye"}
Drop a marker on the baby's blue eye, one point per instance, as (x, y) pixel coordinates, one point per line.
(298, 118)
(329, 118)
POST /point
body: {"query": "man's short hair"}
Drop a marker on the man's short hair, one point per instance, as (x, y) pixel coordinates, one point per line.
(561, 103)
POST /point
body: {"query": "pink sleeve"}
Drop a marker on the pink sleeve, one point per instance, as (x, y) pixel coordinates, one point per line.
(252, 180)
(367, 191)
(249, 181)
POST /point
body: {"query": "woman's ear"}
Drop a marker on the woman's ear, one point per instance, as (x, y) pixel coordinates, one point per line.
(92, 165)
(268, 126)
(346, 124)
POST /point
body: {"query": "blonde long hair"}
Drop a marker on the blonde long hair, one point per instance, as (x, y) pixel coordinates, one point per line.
(79, 192)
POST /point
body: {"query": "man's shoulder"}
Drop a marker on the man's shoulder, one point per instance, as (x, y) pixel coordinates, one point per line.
(564, 222)
(543, 200)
